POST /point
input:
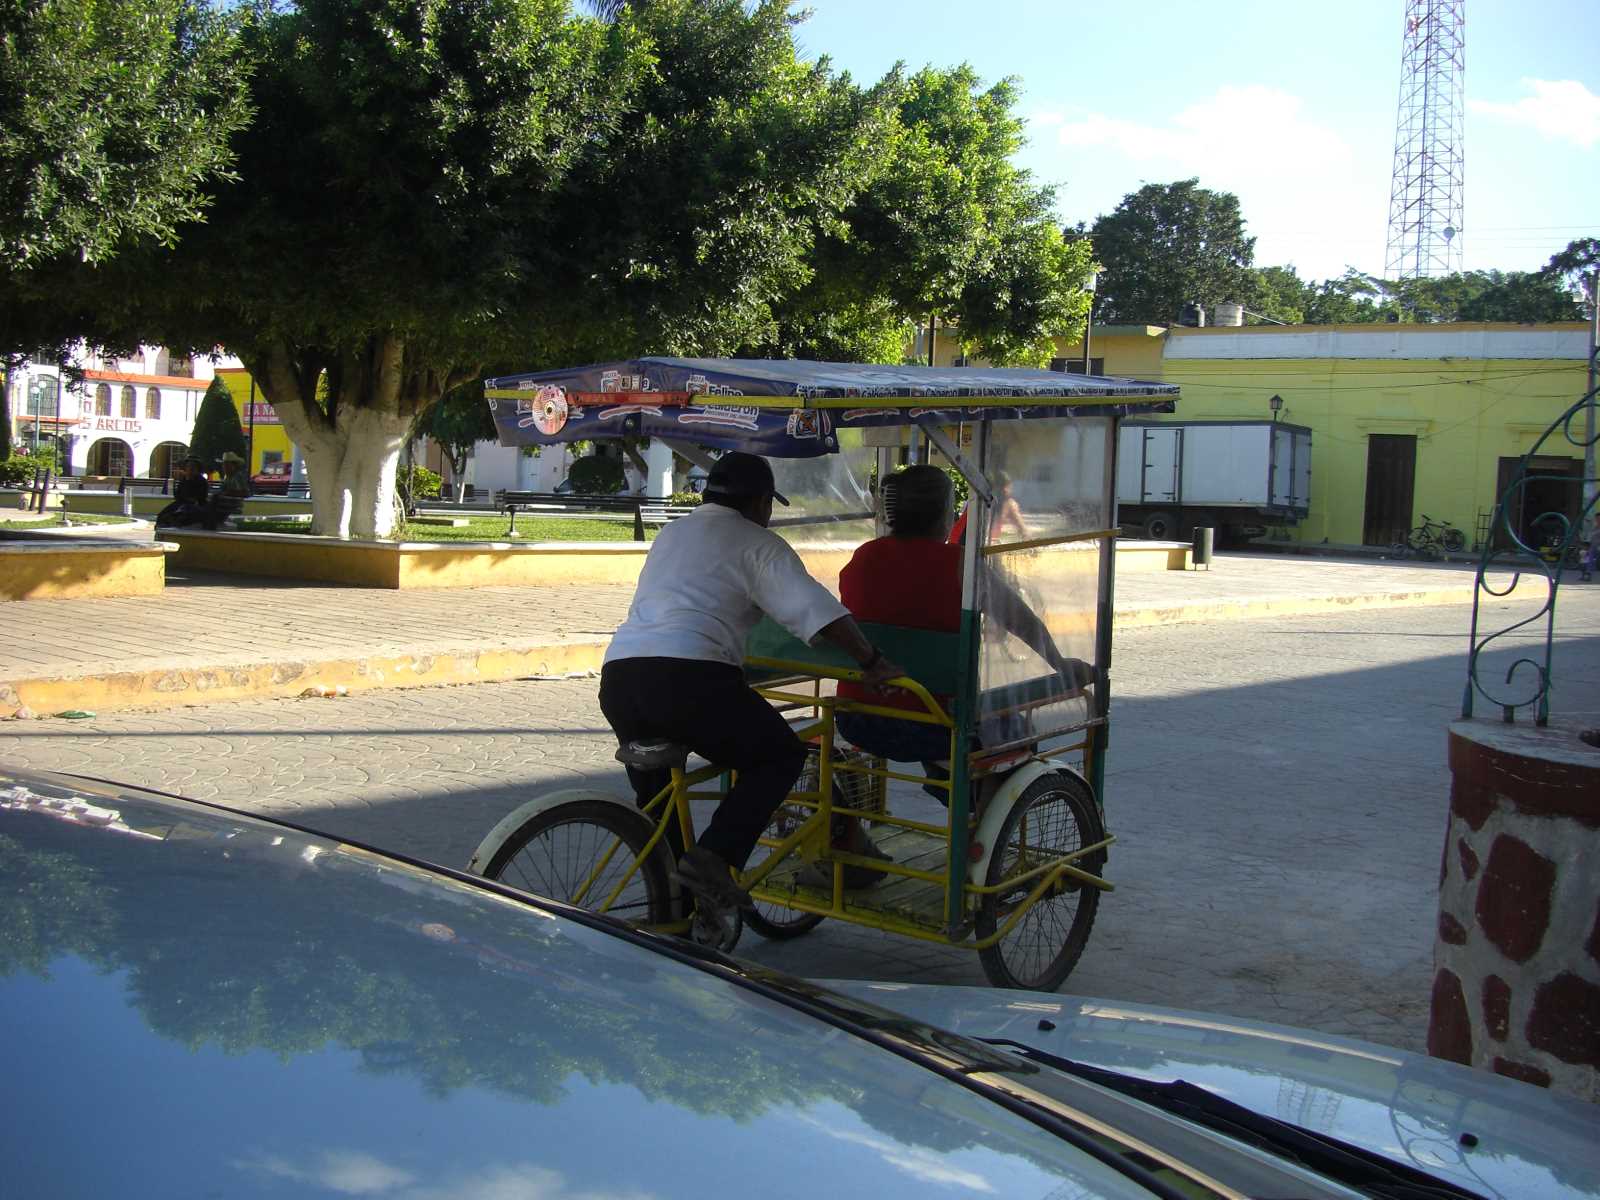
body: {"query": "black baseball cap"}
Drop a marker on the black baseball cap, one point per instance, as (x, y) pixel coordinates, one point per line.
(739, 475)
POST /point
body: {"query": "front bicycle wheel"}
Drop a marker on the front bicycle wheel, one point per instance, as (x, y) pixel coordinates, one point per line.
(580, 852)
(1054, 816)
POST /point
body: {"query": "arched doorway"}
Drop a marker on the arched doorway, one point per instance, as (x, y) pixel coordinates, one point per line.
(164, 459)
(110, 456)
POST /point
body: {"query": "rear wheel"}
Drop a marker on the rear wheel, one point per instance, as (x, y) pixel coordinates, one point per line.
(1160, 527)
(1454, 540)
(1400, 550)
(1054, 816)
(558, 854)
(774, 921)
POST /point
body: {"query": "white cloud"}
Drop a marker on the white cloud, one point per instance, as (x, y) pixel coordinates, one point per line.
(1561, 110)
(351, 1173)
(1240, 128)
(347, 1172)
(1307, 196)
(920, 1163)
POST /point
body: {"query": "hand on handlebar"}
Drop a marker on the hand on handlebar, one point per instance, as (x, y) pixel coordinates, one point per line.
(880, 672)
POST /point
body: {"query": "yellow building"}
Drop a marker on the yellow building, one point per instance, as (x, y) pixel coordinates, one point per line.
(1407, 420)
(265, 436)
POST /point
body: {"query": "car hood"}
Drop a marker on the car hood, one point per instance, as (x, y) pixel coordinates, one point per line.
(1491, 1135)
(195, 1002)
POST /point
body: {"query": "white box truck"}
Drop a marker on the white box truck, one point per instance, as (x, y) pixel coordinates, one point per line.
(1238, 477)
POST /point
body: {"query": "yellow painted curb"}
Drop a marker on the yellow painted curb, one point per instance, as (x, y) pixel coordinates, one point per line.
(211, 685)
(1287, 606)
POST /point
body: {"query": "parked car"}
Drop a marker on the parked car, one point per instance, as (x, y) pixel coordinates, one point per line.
(198, 1002)
(272, 479)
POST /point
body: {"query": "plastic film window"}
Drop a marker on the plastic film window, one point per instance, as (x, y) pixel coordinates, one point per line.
(1040, 587)
(830, 509)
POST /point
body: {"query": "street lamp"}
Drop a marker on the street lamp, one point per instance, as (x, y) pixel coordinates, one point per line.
(1276, 404)
(1088, 319)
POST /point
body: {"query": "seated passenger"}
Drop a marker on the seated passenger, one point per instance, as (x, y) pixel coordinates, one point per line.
(913, 578)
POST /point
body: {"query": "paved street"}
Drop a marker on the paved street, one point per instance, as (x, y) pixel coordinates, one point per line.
(1278, 788)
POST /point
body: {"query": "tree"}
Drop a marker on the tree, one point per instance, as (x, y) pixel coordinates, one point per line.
(1576, 269)
(1168, 245)
(1277, 293)
(945, 225)
(495, 180)
(216, 427)
(115, 115)
(1520, 296)
(457, 423)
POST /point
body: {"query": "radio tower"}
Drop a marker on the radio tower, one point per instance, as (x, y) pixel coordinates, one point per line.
(1425, 195)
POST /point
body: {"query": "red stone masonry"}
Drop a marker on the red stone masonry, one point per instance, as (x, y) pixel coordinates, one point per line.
(1517, 955)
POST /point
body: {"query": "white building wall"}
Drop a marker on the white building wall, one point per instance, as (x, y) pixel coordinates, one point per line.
(1379, 342)
(83, 426)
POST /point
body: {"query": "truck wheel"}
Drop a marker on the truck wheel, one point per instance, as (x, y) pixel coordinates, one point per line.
(1160, 527)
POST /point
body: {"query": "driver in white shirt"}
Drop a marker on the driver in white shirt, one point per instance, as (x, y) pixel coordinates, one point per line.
(674, 668)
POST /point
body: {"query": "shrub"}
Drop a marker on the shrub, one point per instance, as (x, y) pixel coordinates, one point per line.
(216, 427)
(595, 476)
(18, 470)
(425, 484)
(689, 499)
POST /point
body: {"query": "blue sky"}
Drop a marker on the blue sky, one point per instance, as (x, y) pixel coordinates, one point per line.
(1291, 106)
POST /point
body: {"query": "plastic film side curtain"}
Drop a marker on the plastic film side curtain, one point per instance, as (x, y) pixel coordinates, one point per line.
(1040, 584)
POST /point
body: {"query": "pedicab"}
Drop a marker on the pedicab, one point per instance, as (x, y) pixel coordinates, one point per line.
(1010, 862)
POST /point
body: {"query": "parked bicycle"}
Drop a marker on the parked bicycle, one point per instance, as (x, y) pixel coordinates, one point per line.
(1430, 539)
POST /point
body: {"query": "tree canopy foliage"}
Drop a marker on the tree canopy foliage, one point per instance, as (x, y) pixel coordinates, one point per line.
(1167, 245)
(429, 186)
(115, 118)
(944, 225)
(1279, 293)
(457, 423)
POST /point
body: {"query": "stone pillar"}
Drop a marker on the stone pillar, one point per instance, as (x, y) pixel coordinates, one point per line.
(1516, 986)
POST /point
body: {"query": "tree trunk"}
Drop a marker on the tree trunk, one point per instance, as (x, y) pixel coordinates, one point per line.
(352, 471)
(5, 413)
(353, 444)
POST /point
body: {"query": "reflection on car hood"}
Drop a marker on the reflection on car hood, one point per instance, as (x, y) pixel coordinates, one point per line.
(1491, 1135)
(196, 1002)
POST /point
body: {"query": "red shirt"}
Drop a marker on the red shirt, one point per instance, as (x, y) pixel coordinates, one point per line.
(915, 582)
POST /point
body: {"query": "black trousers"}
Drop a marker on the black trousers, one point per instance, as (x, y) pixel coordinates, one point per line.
(709, 708)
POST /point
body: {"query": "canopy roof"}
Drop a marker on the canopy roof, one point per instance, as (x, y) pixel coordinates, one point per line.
(788, 407)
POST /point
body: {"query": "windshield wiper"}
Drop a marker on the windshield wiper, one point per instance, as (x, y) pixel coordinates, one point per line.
(1353, 1166)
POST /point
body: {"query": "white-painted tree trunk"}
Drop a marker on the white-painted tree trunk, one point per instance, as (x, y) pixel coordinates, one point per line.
(352, 440)
(351, 470)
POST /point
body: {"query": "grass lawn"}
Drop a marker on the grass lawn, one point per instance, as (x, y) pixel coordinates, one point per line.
(493, 529)
(55, 522)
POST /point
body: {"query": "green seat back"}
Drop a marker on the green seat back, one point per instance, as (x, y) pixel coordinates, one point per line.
(931, 658)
